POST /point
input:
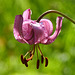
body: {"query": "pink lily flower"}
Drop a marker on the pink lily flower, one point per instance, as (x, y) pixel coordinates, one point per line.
(31, 32)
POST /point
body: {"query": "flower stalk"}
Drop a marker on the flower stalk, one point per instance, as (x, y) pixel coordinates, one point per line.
(54, 11)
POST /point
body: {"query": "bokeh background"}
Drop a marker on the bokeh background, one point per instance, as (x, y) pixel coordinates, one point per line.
(61, 53)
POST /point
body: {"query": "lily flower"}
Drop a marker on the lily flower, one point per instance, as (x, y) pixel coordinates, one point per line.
(33, 33)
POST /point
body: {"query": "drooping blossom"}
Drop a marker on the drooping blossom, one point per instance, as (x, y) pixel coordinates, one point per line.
(33, 33)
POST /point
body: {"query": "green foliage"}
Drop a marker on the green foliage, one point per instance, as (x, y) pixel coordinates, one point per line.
(61, 53)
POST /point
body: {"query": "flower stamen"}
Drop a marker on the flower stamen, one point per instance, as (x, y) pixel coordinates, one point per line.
(42, 59)
(22, 60)
(46, 61)
(40, 51)
(31, 54)
(38, 61)
(27, 53)
(25, 62)
(30, 58)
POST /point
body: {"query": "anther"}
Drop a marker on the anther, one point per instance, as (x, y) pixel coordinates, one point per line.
(42, 59)
(25, 62)
(38, 64)
(22, 60)
(46, 61)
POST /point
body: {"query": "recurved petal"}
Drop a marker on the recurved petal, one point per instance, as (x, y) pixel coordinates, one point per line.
(28, 32)
(27, 14)
(57, 31)
(18, 28)
(48, 28)
(48, 25)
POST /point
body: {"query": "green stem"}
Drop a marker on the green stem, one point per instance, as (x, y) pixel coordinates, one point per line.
(54, 11)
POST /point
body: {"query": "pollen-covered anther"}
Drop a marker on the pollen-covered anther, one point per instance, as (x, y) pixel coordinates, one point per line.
(38, 61)
(42, 59)
(46, 61)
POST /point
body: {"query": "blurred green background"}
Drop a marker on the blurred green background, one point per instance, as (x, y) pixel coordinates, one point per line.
(61, 53)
